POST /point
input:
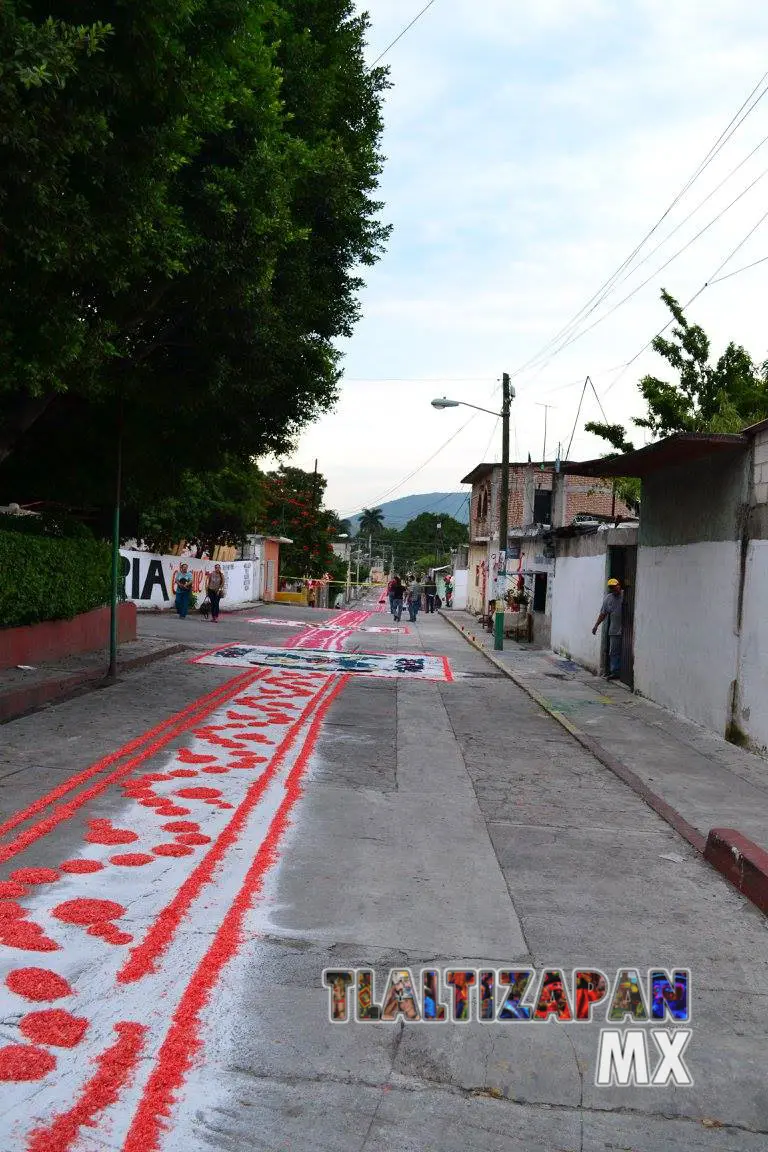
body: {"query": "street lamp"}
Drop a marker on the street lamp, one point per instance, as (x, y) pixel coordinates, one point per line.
(507, 396)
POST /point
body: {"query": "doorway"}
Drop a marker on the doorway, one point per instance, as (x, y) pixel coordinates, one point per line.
(622, 566)
(540, 592)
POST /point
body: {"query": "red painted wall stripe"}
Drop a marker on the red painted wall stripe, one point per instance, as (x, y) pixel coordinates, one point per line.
(142, 959)
(183, 1039)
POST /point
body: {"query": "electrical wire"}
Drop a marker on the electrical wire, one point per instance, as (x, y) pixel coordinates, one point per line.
(578, 413)
(412, 379)
(599, 401)
(610, 284)
(399, 37)
(738, 271)
(399, 485)
(713, 279)
(597, 298)
(693, 212)
(625, 299)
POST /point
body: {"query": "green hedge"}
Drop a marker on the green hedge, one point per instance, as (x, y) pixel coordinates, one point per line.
(47, 578)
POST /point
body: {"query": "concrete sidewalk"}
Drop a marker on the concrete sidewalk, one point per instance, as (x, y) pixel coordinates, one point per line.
(25, 689)
(706, 781)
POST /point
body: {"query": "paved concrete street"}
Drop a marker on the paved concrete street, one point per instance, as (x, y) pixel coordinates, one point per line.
(184, 853)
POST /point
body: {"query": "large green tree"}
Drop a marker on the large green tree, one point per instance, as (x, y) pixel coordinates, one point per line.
(186, 194)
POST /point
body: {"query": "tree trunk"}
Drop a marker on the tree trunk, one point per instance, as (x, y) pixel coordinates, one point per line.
(18, 420)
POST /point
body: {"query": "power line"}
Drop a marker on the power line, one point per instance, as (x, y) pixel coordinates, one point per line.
(625, 299)
(578, 413)
(599, 401)
(713, 279)
(399, 37)
(720, 143)
(413, 379)
(420, 468)
(597, 298)
(693, 211)
(738, 271)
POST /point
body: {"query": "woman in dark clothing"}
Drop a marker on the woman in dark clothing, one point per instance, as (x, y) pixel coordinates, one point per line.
(396, 593)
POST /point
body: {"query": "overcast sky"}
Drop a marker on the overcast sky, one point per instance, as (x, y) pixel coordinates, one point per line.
(530, 147)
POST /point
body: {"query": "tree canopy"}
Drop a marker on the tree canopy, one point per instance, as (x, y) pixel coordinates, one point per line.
(722, 397)
(186, 196)
(207, 509)
(294, 508)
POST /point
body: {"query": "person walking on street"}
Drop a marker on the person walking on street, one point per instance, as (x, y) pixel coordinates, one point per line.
(430, 592)
(215, 587)
(390, 587)
(612, 611)
(396, 594)
(183, 591)
(414, 599)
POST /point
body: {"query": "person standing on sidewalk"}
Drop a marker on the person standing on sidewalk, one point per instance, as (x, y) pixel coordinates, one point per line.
(414, 599)
(183, 591)
(215, 586)
(612, 611)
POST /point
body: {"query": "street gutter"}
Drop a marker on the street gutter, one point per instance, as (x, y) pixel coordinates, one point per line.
(737, 858)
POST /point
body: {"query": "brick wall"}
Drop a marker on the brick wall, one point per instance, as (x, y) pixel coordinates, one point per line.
(582, 495)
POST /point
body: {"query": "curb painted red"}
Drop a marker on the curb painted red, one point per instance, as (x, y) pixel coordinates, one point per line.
(743, 863)
(28, 698)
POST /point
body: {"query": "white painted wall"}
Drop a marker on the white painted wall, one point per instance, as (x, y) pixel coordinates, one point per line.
(578, 592)
(150, 581)
(460, 588)
(685, 620)
(753, 697)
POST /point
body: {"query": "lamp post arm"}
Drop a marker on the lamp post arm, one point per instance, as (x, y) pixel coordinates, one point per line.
(490, 411)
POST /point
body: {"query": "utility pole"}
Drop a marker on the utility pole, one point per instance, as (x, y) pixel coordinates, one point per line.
(115, 596)
(546, 408)
(506, 404)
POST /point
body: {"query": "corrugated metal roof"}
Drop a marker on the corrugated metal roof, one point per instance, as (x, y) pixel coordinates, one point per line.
(682, 448)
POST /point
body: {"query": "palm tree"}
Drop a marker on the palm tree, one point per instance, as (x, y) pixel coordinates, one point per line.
(371, 520)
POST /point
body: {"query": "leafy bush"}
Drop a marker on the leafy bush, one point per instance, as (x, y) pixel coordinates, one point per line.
(49, 578)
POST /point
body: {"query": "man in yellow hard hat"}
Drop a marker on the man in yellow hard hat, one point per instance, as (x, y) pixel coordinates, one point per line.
(612, 611)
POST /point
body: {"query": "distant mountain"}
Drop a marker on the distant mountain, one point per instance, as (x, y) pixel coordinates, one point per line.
(397, 513)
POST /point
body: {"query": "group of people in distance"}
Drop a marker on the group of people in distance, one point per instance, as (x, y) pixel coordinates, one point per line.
(412, 593)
